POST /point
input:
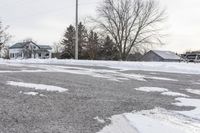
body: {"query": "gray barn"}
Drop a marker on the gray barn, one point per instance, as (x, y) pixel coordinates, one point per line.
(161, 56)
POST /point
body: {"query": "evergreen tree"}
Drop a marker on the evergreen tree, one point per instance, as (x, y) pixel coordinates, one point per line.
(69, 41)
(109, 50)
(93, 45)
(82, 41)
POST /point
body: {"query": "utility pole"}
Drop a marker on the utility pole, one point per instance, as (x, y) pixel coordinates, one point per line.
(76, 44)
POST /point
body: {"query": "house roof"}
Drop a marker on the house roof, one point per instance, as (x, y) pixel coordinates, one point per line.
(45, 47)
(19, 45)
(23, 44)
(167, 55)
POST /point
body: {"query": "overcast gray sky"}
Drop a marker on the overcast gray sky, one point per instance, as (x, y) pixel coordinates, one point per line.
(46, 20)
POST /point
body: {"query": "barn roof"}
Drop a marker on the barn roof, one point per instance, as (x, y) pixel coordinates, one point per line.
(168, 55)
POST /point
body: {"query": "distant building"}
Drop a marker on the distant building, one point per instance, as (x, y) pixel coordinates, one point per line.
(29, 49)
(161, 56)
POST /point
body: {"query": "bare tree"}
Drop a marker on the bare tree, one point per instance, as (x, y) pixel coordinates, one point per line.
(4, 37)
(5, 52)
(131, 23)
(57, 49)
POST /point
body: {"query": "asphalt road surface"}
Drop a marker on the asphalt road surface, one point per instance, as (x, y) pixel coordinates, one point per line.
(92, 92)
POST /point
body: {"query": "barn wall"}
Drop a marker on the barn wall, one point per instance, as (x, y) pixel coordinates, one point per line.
(151, 56)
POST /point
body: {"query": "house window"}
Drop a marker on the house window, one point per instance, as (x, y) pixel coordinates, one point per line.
(11, 55)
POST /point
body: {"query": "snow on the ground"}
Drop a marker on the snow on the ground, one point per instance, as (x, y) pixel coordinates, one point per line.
(152, 121)
(99, 120)
(163, 91)
(119, 125)
(193, 91)
(37, 86)
(170, 93)
(153, 73)
(151, 89)
(172, 67)
(196, 83)
(31, 93)
(195, 114)
(112, 75)
(161, 78)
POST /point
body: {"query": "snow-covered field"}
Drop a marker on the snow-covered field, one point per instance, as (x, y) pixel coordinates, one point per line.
(157, 120)
(187, 68)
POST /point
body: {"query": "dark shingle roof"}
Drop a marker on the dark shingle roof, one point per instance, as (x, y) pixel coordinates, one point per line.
(19, 45)
(45, 47)
(23, 44)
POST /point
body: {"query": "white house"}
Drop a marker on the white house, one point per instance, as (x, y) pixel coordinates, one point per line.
(29, 49)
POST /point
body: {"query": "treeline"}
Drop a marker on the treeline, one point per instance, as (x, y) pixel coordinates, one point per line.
(125, 27)
(91, 45)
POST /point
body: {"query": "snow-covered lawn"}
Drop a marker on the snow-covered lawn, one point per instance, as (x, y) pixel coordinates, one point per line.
(189, 68)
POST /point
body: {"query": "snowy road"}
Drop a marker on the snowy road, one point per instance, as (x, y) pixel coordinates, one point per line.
(37, 98)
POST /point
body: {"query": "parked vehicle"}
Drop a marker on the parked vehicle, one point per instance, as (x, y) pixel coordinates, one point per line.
(193, 58)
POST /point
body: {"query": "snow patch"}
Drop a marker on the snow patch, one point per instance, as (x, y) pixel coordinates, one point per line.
(99, 120)
(119, 124)
(196, 83)
(31, 93)
(161, 78)
(193, 91)
(37, 86)
(195, 114)
(151, 89)
(152, 121)
(170, 93)
(163, 91)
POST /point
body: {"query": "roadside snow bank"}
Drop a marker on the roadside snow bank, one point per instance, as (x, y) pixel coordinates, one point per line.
(37, 86)
(187, 68)
(152, 121)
